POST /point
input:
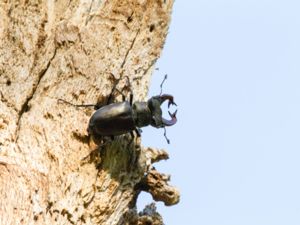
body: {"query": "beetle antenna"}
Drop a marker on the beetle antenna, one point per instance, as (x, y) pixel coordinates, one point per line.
(70, 103)
(165, 134)
(114, 88)
(161, 85)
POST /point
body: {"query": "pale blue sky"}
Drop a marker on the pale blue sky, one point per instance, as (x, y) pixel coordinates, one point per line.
(234, 69)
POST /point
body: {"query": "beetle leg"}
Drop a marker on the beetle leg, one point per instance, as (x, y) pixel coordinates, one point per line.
(138, 132)
(128, 87)
(130, 90)
(96, 138)
(110, 97)
(131, 99)
(114, 88)
(132, 138)
(116, 81)
(121, 93)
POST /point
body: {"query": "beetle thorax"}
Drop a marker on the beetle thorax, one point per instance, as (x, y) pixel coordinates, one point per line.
(141, 114)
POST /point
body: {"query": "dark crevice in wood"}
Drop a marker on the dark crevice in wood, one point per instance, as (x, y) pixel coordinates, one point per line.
(131, 46)
(25, 107)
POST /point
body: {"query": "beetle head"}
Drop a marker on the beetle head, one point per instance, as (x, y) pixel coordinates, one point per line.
(154, 104)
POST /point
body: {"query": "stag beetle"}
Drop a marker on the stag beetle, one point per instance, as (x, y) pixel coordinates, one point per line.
(123, 117)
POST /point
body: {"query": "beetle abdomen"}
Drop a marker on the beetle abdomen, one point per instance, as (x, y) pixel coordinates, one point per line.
(113, 119)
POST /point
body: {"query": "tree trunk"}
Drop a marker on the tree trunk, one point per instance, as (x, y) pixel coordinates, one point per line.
(50, 170)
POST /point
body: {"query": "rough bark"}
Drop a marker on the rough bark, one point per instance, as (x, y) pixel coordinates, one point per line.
(50, 172)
